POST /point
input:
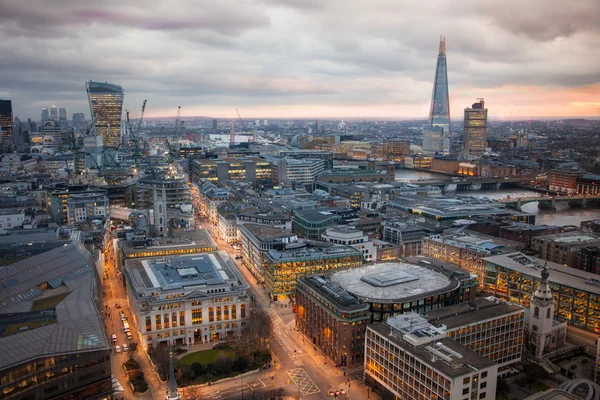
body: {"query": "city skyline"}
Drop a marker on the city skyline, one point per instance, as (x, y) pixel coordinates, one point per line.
(303, 59)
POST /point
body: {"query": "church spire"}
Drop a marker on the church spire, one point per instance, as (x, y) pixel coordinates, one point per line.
(173, 392)
(543, 292)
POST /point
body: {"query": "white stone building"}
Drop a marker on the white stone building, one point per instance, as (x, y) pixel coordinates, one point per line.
(352, 237)
(187, 299)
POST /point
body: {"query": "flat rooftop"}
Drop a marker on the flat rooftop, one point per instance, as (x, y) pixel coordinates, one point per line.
(176, 273)
(198, 239)
(393, 282)
(474, 311)
(328, 251)
(559, 274)
(445, 355)
(334, 293)
(266, 233)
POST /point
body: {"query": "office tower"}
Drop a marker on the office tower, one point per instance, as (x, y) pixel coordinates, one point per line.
(439, 115)
(215, 124)
(106, 107)
(45, 115)
(78, 119)
(6, 126)
(475, 129)
(62, 117)
(53, 113)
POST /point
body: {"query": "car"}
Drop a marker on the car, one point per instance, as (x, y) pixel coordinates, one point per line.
(118, 305)
(132, 346)
(118, 349)
(129, 336)
(113, 338)
(125, 348)
(335, 392)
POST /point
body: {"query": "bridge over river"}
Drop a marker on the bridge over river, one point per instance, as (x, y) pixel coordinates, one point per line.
(548, 202)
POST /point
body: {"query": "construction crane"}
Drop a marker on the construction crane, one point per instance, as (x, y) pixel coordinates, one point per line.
(185, 132)
(139, 125)
(176, 131)
(241, 120)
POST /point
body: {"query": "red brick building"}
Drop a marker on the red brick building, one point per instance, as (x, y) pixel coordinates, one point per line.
(333, 319)
(564, 180)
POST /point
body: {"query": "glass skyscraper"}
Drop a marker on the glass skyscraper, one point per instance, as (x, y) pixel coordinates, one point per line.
(439, 115)
(106, 106)
(6, 126)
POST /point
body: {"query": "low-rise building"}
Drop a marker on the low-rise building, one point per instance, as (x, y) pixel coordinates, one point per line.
(187, 299)
(282, 269)
(414, 284)
(332, 318)
(301, 171)
(249, 169)
(513, 277)
(524, 233)
(86, 207)
(412, 359)
(589, 259)
(564, 180)
(352, 237)
(211, 198)
(491, 327)
(466, 251)
(10, 219)
(257, 240)
(563, 248)
(312, 223)
(190, 242)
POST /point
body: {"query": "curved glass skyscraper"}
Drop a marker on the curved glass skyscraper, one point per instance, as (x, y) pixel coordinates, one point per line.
(439, 115)
(106, 106)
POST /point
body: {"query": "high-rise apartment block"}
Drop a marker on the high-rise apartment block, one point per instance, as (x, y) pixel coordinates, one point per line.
(106, 107)
(439, 114)
(475, 129)
(6, 127)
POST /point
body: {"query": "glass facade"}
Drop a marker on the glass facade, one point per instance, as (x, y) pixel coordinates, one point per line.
(6, 126)
(439, 114)
(576, 307)
(475, 129)
(106, 106)
(281, 274)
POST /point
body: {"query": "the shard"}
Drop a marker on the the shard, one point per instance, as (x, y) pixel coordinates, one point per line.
(439, 115)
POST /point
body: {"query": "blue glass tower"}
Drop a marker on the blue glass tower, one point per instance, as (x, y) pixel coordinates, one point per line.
(439, 115)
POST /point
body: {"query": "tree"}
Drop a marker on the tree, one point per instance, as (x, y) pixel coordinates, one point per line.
(161, 359)
(534, 372)
(502, 386)
(255, 335)
(192, 392)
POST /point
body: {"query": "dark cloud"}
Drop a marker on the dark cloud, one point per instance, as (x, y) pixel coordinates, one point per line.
(268, 52)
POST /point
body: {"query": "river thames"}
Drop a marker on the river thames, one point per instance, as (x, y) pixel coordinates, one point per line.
(564, 215)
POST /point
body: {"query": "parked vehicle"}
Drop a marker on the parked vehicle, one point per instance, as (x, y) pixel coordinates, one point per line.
(125, 348)
(118, 349)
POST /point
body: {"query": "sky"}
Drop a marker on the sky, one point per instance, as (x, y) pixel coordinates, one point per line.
(303, 58)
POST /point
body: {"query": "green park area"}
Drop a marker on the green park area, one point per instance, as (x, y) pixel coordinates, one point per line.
(206, 357)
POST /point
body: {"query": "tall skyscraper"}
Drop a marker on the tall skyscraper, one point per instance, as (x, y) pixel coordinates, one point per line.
(439, 115)
(62, 114)
(6, 126)
(53, 113)
(475, 129)
(106, 106)
(215, 124)
(78, 120)
(45, 115)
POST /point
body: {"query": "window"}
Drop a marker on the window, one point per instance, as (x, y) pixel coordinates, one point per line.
(174, 320)
(226, 313)
(158, 322)
(233, 314)
(181, 318)
(466, 390)
(218, 313)
(484, 374)
(536, 312)
(466, 380)
(197, 316)
(483, 385)
(548, 313)
(243, 310)
(211, 314)
(166, 319)
(148, 324)
(482, 395)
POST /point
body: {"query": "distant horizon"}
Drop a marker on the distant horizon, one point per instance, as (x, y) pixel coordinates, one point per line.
(381, 118)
